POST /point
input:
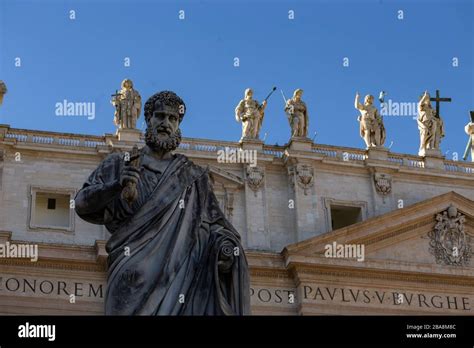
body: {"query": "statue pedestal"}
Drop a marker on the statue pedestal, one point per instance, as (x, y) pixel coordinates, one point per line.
(378, 153)
(129, 135)
(300, 144)
(434, 159)
(251, 144)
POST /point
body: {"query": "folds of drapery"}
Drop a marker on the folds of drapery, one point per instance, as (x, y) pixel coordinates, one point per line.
(164, 251)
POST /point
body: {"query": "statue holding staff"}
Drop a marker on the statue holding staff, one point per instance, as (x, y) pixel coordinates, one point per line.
(250, 112)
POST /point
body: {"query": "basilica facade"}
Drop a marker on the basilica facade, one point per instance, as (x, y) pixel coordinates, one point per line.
(326, 229)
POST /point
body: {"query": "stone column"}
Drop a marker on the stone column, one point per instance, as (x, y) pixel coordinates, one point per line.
(301, 176)
(255, 208)
(381, 182)
(382, 190)
(255, 202)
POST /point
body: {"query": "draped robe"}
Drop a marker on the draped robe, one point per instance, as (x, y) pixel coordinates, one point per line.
(174, 232)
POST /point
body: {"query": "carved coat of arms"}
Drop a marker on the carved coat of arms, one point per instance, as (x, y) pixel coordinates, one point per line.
(255, 177)
(449, 242)
(304, 176)
(383, 183)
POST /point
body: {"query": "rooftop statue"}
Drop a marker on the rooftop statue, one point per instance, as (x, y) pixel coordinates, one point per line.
(250, 112)
(430, 125)
(297, 113)
(372, 129)
(128, 104)
(3, 91)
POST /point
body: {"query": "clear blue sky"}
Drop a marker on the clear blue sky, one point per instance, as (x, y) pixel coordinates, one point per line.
(82, 60)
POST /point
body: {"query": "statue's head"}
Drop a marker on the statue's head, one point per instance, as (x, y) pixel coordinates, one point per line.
(248, 93)
(297, 94)
(164, 112)
(127, 84)
(369, 99)
(452, 211)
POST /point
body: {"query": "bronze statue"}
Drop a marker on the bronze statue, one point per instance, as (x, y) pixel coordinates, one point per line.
(171, 250)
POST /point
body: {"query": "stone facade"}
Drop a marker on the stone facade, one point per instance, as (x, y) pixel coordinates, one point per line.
(284, 207)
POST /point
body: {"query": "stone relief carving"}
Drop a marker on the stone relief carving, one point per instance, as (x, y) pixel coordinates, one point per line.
(304, 177)
(301, 175)
(383, 183)
(255, 176)
(449, 242)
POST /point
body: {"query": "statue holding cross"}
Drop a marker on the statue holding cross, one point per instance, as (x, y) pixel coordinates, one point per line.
(430, 124)
(470, 144)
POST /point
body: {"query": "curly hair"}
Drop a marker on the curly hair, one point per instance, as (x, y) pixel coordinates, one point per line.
(168, 98)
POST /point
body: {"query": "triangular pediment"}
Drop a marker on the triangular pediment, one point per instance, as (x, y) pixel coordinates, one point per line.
(403, 236)
(225, 178)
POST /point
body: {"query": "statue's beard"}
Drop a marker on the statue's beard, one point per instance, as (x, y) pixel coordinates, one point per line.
(155, 143)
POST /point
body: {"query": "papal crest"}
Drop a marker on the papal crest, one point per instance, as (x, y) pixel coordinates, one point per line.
(304, 176)
(383, 183)
(255, 177)
(449, 242)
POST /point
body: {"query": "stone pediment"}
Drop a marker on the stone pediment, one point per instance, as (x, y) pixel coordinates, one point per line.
(225, 178)
(399, 239)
